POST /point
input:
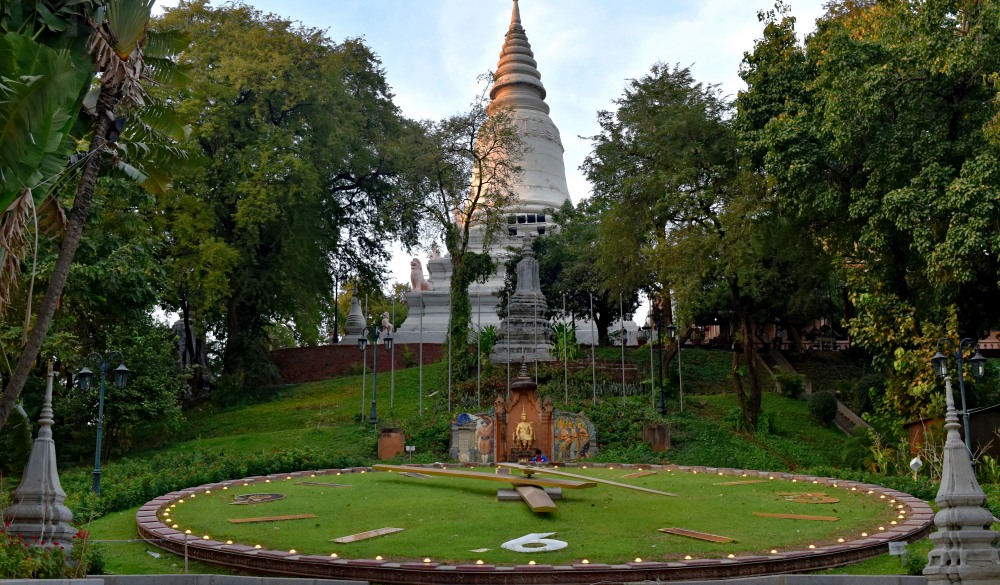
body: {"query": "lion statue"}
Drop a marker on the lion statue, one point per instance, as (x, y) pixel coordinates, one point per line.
(417, 280)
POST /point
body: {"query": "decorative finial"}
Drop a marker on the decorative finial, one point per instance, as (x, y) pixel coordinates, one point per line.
(523, 373)
(517, 71)
(515, 16)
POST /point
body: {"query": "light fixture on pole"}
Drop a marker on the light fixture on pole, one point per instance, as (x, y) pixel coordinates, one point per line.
(372, 333)
(965, 549)
(650, 331)
(977, 364)
(672, 333)
(83, 379)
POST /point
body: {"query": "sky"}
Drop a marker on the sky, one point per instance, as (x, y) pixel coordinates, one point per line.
(587, 50)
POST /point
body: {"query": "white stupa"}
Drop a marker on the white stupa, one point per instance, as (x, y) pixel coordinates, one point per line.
(517, 84)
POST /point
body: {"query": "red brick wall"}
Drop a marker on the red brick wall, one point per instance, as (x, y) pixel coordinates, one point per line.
(309, 364)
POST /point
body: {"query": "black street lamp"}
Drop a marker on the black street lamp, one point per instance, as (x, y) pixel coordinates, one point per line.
(672, 333)
(372, 333)
(657, 344)
(977, 364)
(83, 378)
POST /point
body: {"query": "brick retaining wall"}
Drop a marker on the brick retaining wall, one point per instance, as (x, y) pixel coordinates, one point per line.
(309, 364)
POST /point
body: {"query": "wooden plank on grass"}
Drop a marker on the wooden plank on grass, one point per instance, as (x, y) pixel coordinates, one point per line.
(271, 518)
(529, 470)
(638, 474)
(536, 498)
(510, 495)
(416, 475)
(798, 517)
(320, 483)
(695, 534)
(744, 482)
(514, 479)
(364, 535)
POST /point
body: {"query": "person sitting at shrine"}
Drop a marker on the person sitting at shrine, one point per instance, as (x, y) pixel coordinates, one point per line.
(539, 457)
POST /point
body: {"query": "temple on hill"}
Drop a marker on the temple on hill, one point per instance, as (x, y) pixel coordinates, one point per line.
(517, 84)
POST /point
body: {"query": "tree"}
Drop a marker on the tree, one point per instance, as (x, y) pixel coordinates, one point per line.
(680, 206)
(46, 70)
(120, 33)
(467, 168)
(143, 413)
(873, 134)
(302, 177)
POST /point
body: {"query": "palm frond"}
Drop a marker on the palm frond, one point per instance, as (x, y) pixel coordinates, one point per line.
(116, 46)
(40, 93)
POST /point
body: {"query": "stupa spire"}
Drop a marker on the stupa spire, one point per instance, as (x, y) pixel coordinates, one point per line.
(517, 82)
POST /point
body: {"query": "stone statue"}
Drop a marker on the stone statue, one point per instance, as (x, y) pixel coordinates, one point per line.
(527, 272)
(435, 251)
(417, 281)
(386, 323)
(524, 434)
(484, 438)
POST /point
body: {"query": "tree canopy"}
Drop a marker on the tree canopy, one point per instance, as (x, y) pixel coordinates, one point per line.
(302, 146)
(875, 135)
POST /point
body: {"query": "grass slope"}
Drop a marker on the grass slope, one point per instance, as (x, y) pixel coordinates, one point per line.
(326, 416)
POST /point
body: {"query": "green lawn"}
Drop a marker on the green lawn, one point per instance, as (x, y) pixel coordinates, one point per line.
(446, 518)
(326, 416)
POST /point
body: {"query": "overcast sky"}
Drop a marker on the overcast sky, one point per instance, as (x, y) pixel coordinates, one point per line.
(433, 50)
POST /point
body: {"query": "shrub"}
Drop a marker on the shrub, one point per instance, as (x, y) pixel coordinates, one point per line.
(409, 360)
(765, 422)
(914, 563)
(21, 560)
(989, 470)
(791, 385)
(620, 426)
(823, 406)
(131, 483)
(859, 396)
(430, 434)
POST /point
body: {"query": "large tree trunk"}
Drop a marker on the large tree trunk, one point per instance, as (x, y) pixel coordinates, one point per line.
(461, 312)
(751, 405)
(750, 402)
(67, 250)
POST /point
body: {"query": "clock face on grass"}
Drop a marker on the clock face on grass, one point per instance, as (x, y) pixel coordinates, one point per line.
(459, 518)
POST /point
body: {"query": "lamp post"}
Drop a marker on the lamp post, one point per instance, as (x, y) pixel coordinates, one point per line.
(83, 379)
(650, 331)
(624, 339)
(977, 364)
(672, 333)
(373, 332)
(965, 550)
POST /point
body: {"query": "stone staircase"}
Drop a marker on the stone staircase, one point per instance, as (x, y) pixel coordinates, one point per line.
(846, 420)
